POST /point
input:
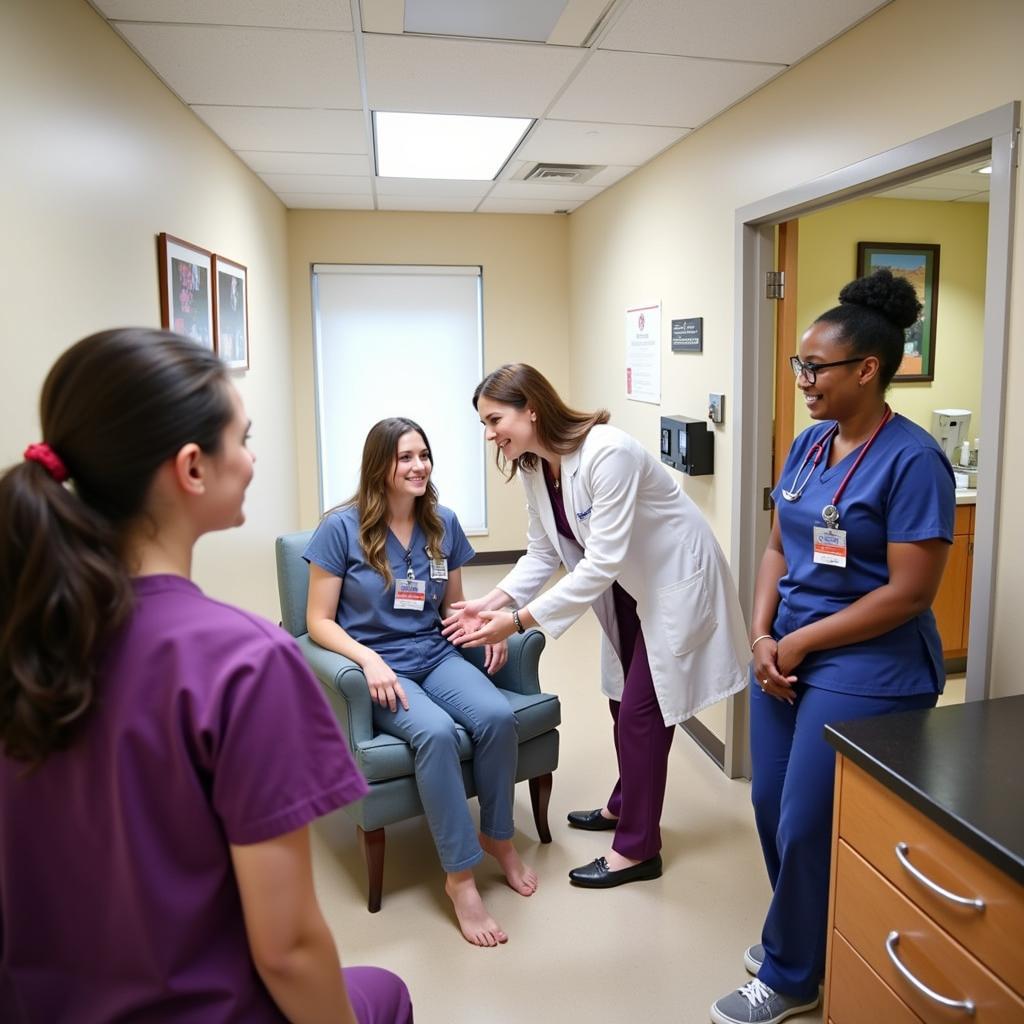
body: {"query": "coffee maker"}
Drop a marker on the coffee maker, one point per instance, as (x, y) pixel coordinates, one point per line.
(951, 427)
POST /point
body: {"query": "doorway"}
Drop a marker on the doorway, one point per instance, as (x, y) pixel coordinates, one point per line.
(993, 135)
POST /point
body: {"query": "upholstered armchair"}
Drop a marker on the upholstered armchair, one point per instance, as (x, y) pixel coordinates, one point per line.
(386, 761)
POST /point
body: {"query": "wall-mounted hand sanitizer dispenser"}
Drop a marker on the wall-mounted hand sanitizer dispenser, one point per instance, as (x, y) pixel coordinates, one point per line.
(687, 445)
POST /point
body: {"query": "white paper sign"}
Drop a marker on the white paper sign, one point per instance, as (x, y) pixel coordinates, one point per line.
(643, 353)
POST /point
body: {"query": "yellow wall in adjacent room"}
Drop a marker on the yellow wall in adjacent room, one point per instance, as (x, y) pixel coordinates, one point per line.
(525, 315)
(99, 157)
(828, 258)
(668, 231)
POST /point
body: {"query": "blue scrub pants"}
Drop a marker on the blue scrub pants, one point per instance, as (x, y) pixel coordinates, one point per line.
(456, 692)
(792, 791)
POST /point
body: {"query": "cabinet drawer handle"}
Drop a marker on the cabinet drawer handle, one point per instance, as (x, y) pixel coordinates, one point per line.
(963, 901)
(967, 1005)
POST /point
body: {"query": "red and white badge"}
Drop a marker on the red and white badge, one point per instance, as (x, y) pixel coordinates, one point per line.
(410, 595)
(829, 546)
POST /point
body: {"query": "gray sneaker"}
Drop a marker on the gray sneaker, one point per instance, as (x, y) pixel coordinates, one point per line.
(756, 1003)
(753, 957)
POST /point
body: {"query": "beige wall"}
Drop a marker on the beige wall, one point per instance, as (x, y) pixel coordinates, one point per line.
(827, 260)
(98, 159)
(525, 312)
(668, 230)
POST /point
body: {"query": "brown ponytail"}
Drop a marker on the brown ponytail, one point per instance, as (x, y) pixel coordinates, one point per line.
(114, 407)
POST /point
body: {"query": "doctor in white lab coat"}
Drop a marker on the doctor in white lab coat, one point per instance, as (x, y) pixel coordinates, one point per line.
(636, 550)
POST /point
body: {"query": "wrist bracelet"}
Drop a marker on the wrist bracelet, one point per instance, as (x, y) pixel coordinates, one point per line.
(520, 628)
(758, 639)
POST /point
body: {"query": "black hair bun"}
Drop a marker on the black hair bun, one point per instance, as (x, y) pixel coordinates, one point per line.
(893, 297)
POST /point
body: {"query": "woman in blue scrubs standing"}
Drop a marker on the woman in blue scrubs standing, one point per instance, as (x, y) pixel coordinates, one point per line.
(383, 569)
(842, 624)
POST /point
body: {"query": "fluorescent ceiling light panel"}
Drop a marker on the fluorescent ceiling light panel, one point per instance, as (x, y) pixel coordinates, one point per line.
(453, 146)
(984, 170)
(532, 20)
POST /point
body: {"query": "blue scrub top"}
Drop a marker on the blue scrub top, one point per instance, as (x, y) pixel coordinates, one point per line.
(903, 491)
(409, 641)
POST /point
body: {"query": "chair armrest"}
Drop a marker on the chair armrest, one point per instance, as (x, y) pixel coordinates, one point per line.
(520, 673)
(343, 678)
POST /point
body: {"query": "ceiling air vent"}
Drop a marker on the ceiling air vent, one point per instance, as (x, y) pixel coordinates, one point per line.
(561, 174)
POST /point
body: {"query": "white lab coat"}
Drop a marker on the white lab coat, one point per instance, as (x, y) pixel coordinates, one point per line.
(638, 528)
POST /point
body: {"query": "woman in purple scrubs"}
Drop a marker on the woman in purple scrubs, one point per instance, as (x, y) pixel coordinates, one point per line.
(163, 753)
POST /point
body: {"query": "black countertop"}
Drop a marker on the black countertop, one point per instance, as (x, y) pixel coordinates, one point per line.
(960, 765)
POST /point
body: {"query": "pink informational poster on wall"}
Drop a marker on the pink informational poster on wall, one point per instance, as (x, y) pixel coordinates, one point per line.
(643, 353)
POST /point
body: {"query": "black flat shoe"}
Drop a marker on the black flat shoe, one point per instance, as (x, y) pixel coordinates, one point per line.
(597, 875)
(592, 821)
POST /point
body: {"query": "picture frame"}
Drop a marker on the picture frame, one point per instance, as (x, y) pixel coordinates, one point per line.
(231, 312)
(186, 302)
(918, 263)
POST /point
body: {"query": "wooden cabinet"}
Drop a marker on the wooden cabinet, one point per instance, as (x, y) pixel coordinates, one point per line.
(952, 604)
(888, 926)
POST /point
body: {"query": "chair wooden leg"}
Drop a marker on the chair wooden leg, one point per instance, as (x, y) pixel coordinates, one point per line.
(372, 845)
(540, 794)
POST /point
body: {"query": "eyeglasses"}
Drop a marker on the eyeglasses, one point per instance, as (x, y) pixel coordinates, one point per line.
(810, 370)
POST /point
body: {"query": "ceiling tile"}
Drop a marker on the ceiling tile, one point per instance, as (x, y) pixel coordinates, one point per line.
(325, 184)
(526, 206)
(250, 66)
(263, 162)
(315, 201)
(734, 29)
(542, 190)
(437, 187)
(915, 191)
(587, 142)
(457, 76)
(317, 14)
(440, 204)
(297, 131)
(636, 88)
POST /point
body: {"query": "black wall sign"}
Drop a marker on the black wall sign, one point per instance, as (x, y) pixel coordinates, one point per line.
(688, 334)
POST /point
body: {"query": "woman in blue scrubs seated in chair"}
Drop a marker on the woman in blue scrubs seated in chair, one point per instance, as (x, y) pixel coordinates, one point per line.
(842, 626)
(383, 570)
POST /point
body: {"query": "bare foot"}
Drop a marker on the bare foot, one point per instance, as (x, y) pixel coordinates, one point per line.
(477, 925)
(616, 862)
(517, 874)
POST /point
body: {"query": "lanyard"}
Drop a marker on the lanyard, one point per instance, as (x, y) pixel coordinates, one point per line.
(830, 513)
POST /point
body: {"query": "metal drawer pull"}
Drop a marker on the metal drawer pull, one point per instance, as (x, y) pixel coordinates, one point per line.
(967, 1005)
(964, 901)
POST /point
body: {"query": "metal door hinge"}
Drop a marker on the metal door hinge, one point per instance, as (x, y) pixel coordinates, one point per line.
(775, 284)
(766, 500)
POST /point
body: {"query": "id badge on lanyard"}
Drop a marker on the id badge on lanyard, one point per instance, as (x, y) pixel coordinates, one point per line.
(829, 546)
(410, 595)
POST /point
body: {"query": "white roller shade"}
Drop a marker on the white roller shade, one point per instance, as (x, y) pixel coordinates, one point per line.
(400, 341)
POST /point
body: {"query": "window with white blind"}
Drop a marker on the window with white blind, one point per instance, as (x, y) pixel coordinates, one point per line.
(400, 341)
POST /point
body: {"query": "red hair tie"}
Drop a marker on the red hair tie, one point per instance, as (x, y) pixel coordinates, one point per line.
(48, 459)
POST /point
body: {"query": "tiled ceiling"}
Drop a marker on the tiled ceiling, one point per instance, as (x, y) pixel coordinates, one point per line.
(290, 85)
(961, 185)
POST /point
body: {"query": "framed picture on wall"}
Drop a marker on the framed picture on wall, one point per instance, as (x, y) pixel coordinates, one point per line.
(919, 264)
(231, 312)
(186, 302)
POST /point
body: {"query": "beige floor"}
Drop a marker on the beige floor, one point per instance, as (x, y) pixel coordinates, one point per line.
(657, 951)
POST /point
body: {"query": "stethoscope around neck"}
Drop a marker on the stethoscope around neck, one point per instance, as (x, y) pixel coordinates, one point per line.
(830, 513)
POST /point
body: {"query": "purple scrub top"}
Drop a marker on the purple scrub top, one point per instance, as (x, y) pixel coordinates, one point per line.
(117, 897)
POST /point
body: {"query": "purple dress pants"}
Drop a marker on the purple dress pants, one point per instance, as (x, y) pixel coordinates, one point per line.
(642, 743)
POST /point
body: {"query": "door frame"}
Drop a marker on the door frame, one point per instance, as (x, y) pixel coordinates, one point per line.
(994, 133)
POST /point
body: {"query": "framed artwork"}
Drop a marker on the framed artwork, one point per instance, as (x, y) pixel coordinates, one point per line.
(919, 264)
(231, 312)
(186, 302)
